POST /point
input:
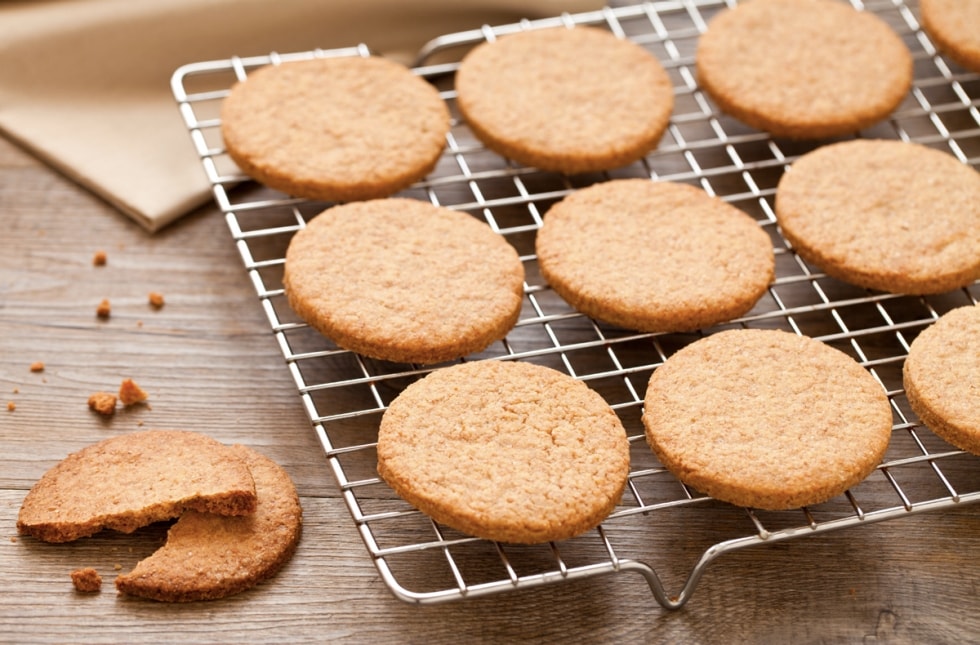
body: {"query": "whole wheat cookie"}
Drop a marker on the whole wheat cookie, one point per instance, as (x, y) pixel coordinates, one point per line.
(766, 419)
(803, 69)
(505, 451)
(942, 377)
(702, 261)
(570, 100)
(207, 556)
(337, 129)
(954, 26)
(132, 480)
(403, 280)
(886, 215)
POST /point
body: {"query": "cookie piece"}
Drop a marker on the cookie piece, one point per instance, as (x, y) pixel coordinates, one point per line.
(766, 418)
(886, 215)
(505, 451)
(335, 129)
(403, 280)
(803, 69)
(954, 27)
(942, 377)
(208, 556)
(708, 262)
(133, 480)
(571, 100)
(86, 580)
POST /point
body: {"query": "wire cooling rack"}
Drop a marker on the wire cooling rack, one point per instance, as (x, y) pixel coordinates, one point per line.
(662, 530)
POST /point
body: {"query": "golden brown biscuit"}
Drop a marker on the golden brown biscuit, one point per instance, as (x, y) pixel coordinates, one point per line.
(885, 215)
(766, 419)
(208, 556)
(505, 451)
(133, 480)
(711, 262)
(942, 377)
(954, 26)
(403, 280)
(571, 100)
(803, 69)
(335, 129)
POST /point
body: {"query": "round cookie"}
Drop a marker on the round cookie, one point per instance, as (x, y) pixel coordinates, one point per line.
(403, 280)
(337, 129)
(208, 556)
(766, 419)
(942, 377)
(886, 215)
(654, 256)
(954, 26)
(570, 100)
(505, 451)
(803, 69)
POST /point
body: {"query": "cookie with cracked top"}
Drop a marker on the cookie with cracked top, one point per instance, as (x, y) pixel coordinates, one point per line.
(569, 100)
(942, 377)
(766, 419)
(654, 256)
(335, 129)
(506, 451)
(883, 214)
(803, 69)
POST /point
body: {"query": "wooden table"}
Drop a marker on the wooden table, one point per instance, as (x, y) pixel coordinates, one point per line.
(211, 364)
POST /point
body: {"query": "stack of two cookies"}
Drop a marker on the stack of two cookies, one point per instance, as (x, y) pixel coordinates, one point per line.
(239, 518)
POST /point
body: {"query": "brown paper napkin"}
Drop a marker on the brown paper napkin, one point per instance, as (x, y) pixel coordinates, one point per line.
(84, 84)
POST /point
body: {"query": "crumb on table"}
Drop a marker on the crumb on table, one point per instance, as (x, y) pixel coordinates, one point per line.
(103, 310)
(130, 392)
(103, 403)
(156, 299)
(86, 580)
(11, 406)
(99, 259)
(37, 366)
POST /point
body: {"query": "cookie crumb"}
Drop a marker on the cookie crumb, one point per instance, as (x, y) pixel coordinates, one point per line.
(86, 580)
(99, 259)
(37, 366)
(117, 567)
(103, 403)
(16, 390)
(13, 539)
(103, 310)
(130, 392)
(11, 406)
(156, 299)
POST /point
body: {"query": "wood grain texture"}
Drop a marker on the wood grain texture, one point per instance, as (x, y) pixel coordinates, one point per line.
(210, 363)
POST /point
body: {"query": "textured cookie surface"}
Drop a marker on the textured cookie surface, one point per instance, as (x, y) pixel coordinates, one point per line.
(954, 26)
(942, 377)
(403, 280)
(133, 480)
(505, 451)
(337, 129)
(803, 68)
(570, 100)
(654, 256)
(208, 556)
(766, 419)
(885, 215)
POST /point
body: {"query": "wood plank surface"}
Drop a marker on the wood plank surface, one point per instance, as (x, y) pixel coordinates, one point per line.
(210, 363)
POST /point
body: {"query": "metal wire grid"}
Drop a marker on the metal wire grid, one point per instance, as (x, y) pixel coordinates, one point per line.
(345, 395)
